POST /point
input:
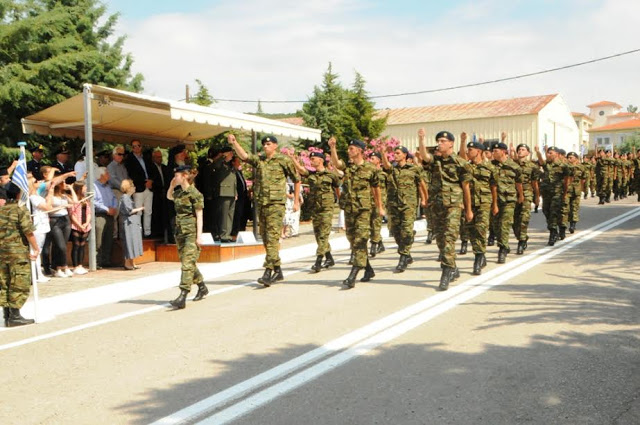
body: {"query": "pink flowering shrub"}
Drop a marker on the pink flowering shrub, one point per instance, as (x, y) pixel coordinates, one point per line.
(389, 143)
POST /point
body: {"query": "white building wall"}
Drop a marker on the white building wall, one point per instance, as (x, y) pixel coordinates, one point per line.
(557, 126)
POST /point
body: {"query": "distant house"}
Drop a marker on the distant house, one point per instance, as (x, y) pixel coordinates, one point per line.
(542, 120)
(610, 126)
(613, 135)
(584, 123)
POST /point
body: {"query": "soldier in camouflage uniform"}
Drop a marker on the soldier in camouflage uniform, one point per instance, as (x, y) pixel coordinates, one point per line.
(618, 174)
(577, 182)
(431, 194)
(403, 185)
(587, 166)
(271, 171)
(531, 191)
(16, 234)
(604, 176)
(189, 203)
(376, 219)
(592, 181)
(322, 186)
(510, 192)
(361, 193)
(564, 223)
(451, 175)
(484, 200)
(636, 174)
(555, 185)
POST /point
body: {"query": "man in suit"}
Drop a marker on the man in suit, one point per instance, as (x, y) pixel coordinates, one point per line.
(225, 190)
(161, 176)
(34, 165)
(139, 171)
(242, 209)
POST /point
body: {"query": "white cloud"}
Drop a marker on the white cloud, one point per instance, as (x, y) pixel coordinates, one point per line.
(280, 49)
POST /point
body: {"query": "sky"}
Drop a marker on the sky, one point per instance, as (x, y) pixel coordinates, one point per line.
(280, 49)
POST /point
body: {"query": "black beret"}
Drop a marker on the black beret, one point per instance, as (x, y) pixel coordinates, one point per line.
(37, 148)
(553, 148)
(562, 152)
(500, 145)
(4, 171)
(523, 145)
(572, 154)
(409, 155)
(379, 155)
(446, 135)
(487, 145)
(226, 149)
(13, 191)
(357, 143)
(404, 150)
(182, 168)
(316, 155)
(476, 145)
(269, 138)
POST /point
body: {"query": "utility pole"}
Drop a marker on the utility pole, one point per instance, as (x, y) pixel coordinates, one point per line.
(186, 94)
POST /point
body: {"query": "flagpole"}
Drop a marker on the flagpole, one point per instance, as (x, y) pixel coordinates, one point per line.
(34, 281)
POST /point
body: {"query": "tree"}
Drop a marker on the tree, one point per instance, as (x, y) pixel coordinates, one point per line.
(631, 143)
(48, 50)
(202, 96)
(360, 113)
(632, 109)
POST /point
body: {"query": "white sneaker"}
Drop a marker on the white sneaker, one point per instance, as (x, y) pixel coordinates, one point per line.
(68, 272)
(43, 279)
(60, 273)
(80, 270)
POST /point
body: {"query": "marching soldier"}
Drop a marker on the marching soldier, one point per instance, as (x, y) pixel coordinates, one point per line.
(577, 182)
(404, 184)
(361, 193)
(587, 166)
(377, 246)
(556, 180)
(510, 192)
(271, 171)
(322, 186)
(452, 177)
(531, 192)
(189, 204)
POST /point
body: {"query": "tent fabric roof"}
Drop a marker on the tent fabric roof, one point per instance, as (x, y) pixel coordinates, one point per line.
(119, 116)
(464, 111)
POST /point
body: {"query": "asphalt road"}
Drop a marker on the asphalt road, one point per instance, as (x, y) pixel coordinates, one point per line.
(551, 337)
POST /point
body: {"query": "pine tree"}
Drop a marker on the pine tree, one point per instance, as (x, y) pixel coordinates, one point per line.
(359, 110)
(48, 50)
(202, 96)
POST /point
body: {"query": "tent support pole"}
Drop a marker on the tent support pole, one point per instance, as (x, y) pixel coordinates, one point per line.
(254, 150)
(88, 138)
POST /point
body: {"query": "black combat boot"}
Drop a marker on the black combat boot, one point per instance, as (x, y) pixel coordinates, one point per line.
(203, 291)
(368, 273)
(639, 197)
(430, 232)
(456, 274)
(520, 249)
(350, 281)
(553, 237)
(601, 202)
(607, 199)
(502, 255)
(402, 264)
(563, 233)
(266, 278)
(329, 261)
(572, 227)
(492, 239)
(14, 318)
(409, 259)
(374, 249)
(445, 278)
(463, 247)
(381, 247)
(484, 261)
(277, 274)
(615, 197)
(5, 311)
(477, 265)
(318, 264)
(352, 258)
(585, 196)
(181, 301)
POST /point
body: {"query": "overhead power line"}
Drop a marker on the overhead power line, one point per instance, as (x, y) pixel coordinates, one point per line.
(463, 86)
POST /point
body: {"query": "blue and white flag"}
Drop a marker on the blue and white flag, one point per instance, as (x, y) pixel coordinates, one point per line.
(19, 177)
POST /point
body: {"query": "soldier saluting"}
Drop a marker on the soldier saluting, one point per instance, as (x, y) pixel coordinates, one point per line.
(361, 193)
(271, 171)
(451, 175)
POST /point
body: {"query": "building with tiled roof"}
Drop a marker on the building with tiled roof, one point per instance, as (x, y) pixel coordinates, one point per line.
(612, 135)
(600, 112)
(584, 123)
(544, 120)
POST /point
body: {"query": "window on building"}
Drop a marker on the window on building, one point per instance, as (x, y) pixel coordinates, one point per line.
(601, 113)
(606, 140)
(599, 140)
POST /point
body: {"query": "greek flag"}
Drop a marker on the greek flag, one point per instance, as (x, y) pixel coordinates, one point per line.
(19, 177)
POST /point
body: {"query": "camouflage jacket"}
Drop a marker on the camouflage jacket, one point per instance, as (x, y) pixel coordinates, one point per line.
(322, 186)
(186, 203)
(530, 173)
(579, 174)
(509, 173)
(403, 185)
(555, 173)
(15, 225)
(484, 177)
(447, 176)
(357, 184)
(383, 184)
(271, 178)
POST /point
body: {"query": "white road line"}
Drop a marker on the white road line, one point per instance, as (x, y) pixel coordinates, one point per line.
(395, 324)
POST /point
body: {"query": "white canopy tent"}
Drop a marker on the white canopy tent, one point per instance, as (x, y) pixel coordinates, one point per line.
(118, 116)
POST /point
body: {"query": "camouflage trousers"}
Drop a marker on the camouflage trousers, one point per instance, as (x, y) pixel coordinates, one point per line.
(188, 252)
(521, 218)
(429, 214)
(465, 228)
(357, 223)
(446, 222)
(592, 185)
(270, 219)
(553, 204)
(15, 283)
(321, 230)
(376, 225)
(574, 208)
(401, 227)
(604, 185)
(586, 185)
(565, 212)
(477, 229)
(547, 196)
(493, 224)
(504, 223)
